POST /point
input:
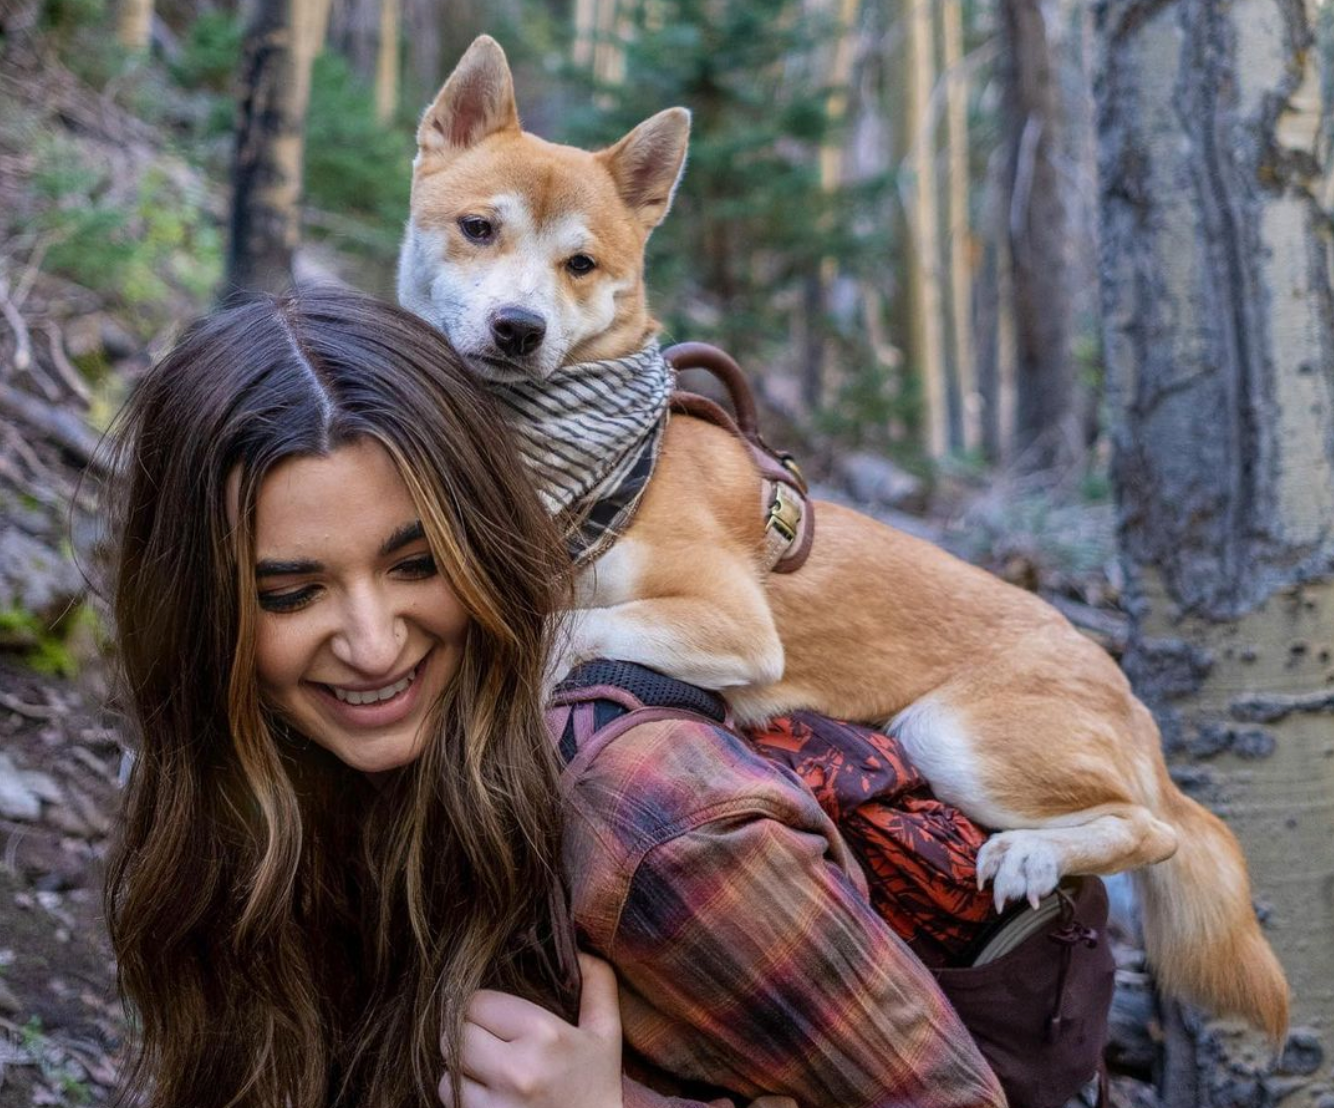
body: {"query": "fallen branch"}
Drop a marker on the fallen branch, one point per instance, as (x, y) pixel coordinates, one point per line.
(71, 376)
(38, 712)
(50, 389)
(23, 350)
(67, 431)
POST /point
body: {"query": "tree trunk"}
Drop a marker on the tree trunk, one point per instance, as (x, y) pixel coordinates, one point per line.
(386, 63)
(1219, 330)
(585, 32)
(280, 47)
(961, 270)
(134, 25)
(924, 268)
(1038, 235)
(819, 374)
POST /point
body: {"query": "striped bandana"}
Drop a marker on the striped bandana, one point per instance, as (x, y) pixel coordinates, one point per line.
(589, 433)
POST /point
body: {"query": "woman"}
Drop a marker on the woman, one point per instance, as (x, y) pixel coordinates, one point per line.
(332, 597)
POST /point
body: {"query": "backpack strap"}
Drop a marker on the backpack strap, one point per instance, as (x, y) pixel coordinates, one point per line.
(789, 523)
(601, 699)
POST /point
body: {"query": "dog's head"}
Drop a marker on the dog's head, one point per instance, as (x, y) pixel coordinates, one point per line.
(527, 254)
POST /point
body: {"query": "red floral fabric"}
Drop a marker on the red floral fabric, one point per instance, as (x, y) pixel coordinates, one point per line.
(919, 854)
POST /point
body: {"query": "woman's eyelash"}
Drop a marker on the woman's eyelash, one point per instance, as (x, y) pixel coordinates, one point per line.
(422, 566)
(416, 568)
(286, 601)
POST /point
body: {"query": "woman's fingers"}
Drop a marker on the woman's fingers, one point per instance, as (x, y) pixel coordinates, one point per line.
(515, 1054)
(473, 1094)
(599, 1002)
(482, 1056)
(508, 1017)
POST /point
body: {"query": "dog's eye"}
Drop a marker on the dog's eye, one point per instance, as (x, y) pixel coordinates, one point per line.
(580, 264)
(477, 228)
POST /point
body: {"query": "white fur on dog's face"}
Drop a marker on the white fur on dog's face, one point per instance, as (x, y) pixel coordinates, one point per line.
(565, 228)
(459, 285)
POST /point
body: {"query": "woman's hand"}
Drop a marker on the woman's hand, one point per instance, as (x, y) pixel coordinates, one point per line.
(517, 1055)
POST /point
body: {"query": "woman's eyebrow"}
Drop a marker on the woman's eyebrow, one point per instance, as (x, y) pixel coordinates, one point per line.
(403, 536)
(269, 568)
(408, 533)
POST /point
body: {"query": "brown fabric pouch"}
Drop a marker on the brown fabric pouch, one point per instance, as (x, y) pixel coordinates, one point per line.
(1039, 1012)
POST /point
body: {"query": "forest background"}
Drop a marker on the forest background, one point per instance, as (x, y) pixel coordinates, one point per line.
(1046, 281)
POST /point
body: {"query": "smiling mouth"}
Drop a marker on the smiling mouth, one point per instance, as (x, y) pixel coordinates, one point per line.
(374, 696)
(392, 691)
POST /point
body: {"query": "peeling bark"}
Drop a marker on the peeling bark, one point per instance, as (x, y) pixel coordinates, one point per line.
(1219, 335)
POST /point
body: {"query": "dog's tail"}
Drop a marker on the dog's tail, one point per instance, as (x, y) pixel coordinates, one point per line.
(1200, 928)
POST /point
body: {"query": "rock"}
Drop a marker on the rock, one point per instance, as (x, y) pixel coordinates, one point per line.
(874, 480)
(18, 800)
(9, 1003)
(34, 577)
(89, 812)
(65, 819)
(44, 786)
(1132, 1031)
(116, 341)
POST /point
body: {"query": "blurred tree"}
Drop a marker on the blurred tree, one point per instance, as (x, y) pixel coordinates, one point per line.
(386, 64)
(753, 219)
(958, 222)
(1037, 229)
(819, 371)
(928, 346)
(1218, 306)
(277, 54)
(134, 24)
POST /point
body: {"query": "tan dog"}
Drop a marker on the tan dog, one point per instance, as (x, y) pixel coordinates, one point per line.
(529, 255)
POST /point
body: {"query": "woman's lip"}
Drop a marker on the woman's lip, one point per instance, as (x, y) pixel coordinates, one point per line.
(383, 713)
(370, 686)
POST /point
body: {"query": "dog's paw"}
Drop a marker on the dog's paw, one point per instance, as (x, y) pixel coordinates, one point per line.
(1021, 865)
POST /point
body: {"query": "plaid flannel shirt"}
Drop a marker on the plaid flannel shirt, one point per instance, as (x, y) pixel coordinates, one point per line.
(750, 960)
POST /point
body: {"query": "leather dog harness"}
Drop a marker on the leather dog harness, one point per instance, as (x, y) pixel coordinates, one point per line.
(789, 516)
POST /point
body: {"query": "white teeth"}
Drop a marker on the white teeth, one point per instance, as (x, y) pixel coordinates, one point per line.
(370, 696)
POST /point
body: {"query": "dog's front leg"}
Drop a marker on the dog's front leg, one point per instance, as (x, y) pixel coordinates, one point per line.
(705, 642)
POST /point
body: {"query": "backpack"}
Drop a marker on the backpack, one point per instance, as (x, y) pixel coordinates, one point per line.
(1034, 988)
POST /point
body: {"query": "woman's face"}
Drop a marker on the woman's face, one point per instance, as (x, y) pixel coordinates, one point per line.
(358, 633)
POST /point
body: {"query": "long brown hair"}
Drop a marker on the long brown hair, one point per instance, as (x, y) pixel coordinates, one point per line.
(288, 934)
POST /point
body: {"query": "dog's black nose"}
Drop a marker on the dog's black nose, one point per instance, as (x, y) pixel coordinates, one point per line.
(518, 331)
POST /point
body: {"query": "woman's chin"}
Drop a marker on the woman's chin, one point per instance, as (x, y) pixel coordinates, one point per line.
(375, 759)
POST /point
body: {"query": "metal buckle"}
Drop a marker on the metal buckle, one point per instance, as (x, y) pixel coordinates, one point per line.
(784, 513)
(789, 463)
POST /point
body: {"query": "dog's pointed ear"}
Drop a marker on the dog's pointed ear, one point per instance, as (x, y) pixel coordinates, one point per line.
(648, 163)
(476, 101)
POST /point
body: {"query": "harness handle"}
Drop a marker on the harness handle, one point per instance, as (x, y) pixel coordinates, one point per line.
(789, 516)
(700, 355)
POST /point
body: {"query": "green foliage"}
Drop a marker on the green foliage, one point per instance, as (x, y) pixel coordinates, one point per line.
(84, 38)
(43, 646)
(145, 245)
(210, 52)
(751, 224)
(63, 19)
(64, 1075)
(355, 165)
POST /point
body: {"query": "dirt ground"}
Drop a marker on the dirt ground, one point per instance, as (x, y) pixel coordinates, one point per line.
(60, 1024)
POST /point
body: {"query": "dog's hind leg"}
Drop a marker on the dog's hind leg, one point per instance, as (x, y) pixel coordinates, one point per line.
(1065, 791)
(1028, 863)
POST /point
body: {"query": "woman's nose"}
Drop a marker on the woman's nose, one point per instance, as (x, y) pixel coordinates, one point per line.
(372, 634)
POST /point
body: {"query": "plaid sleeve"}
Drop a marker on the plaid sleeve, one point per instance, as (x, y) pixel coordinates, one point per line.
(760, 968)
(635, 1095)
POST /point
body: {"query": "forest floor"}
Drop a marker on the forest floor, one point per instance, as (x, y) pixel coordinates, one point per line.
(75, 331)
